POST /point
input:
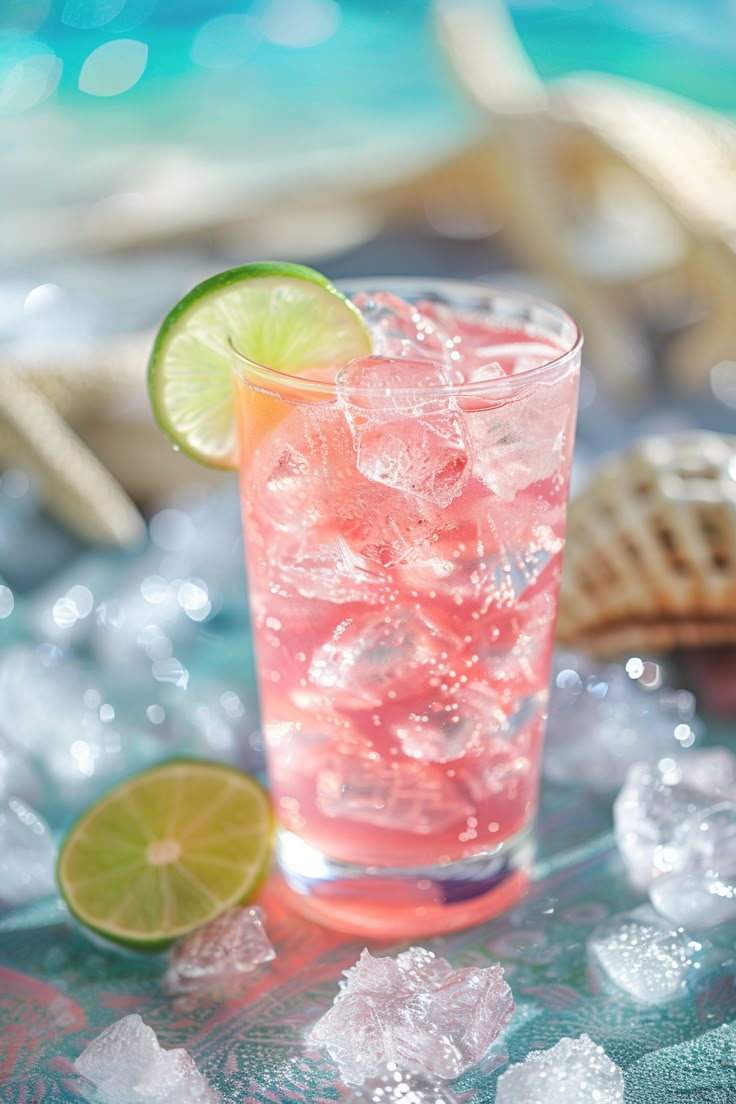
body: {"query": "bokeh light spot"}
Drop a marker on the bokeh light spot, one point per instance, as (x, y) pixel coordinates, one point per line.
(86, 14)
(170, 670)
(172, 530)
(83, 600)
(25, 16)
(225, 41)
(723, 382)
(30, 81)
(113, 67)
(14, 483)
(7, 602)
(300, 23)
(41, 298)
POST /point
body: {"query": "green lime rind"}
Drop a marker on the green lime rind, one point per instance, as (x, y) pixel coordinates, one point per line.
(222, 822)
(281, 315)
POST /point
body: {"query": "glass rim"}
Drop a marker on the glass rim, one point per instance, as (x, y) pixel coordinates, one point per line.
(503, 386)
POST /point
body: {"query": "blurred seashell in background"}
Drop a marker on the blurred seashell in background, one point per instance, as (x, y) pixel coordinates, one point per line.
(650, 561)
(620, 195)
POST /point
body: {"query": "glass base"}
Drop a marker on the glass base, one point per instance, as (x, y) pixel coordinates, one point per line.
(400, 903)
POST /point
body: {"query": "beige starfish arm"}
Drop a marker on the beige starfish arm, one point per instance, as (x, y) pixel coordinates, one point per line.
(485, 53)
(75, 486)
(493, 70)
(708, 342)
(90, 378)
(538, 235)
(685, 152)
(685, 155)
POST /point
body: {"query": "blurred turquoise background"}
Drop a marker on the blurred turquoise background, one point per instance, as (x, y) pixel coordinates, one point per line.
(268, 79)
(146, 144)
(286, 58)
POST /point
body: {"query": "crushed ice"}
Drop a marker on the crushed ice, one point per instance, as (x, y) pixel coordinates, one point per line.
(126, 1065)
(605, 716)
(415, 1011)
(233, 944)
(27, 853)
(663, 815)
(651, 959)
(574, 1071)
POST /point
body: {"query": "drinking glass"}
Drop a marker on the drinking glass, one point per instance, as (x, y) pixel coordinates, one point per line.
(404, 538)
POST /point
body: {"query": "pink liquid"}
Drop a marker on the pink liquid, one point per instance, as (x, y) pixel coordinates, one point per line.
(404, 584)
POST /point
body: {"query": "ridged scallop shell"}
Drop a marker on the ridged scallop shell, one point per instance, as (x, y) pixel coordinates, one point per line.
(650, 562)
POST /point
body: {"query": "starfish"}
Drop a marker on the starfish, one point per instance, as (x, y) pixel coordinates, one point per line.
(40, 397)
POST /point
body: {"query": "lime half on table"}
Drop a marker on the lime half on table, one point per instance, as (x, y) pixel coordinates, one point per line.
(165, 852)
(282, 316)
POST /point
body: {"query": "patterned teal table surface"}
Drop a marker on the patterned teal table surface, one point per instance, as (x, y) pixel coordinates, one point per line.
(57, 991)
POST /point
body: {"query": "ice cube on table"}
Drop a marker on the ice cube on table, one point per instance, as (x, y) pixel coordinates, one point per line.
(603, 718)
(126, 1065)
(647, 956)
(574, 1071)
(701, 892)
(657, 799)
(415, 1011)
(711, 772)
(18, 774)
(708, 838)
(694, 899)
(27, 854)
(233, 944)
(408, 434)
(395, 1086)
(72, 746)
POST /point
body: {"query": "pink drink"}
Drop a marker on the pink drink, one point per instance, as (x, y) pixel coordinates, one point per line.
(404, 529)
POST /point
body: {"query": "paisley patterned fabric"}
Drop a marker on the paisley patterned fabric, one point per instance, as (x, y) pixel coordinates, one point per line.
(58, 990)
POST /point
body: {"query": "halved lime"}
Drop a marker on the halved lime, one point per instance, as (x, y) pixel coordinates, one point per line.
(280, 315)
(166, 851)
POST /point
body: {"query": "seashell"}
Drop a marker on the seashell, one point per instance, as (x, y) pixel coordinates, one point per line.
(650, 562)
(619, 194)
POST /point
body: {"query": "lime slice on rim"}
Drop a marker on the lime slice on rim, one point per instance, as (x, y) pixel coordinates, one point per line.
(166, 851)
(283, 316)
